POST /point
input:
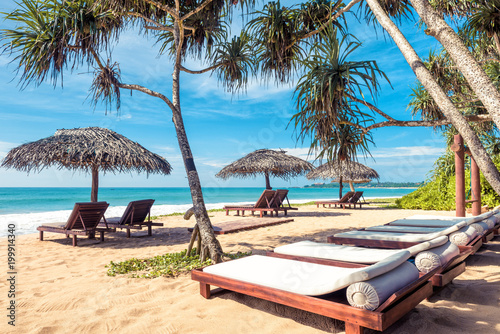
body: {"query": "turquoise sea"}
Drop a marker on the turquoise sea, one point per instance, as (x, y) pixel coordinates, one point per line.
(28, 208)
(32, 200)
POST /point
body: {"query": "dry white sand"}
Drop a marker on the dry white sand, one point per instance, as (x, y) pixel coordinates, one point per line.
(65, 289)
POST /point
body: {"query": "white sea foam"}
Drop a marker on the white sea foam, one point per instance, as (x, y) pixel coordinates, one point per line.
(28, 222)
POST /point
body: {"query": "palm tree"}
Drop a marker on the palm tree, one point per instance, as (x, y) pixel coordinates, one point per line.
(440, 97)
(485, 18)
(328, 96)
(53, 34)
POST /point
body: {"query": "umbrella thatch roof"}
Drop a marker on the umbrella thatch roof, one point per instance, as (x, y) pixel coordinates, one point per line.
(86, 148)
(350, 171)
(266, 162)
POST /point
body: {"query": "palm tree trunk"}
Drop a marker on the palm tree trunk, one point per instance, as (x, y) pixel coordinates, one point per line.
(472, 71)
(449, 110)
(200, 212)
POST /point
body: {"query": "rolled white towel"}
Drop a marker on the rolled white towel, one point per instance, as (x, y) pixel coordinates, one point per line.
(463, 236)
(370, 294)
(481, 228)
(433, 258)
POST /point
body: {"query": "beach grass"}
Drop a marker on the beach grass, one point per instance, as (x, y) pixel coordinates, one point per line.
(167, 265)
(388, 203)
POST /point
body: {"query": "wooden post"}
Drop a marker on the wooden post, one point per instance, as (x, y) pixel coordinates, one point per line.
(340, 187)
(476, 187)
(95, 183)
(458, 148)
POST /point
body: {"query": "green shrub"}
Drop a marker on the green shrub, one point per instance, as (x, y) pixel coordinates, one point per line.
(170, 265)
(439, 194)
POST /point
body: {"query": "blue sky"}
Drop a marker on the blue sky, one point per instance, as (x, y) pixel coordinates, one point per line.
(221, 127)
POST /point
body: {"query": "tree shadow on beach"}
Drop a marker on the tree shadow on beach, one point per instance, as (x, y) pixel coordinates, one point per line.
(166, 236)
(317, 214)
(316, 321)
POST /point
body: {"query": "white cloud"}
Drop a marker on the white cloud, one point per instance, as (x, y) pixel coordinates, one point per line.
(5, 147)
(407, 151)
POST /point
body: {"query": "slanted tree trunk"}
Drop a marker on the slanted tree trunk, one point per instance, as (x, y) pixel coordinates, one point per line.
(207, 235)
(465, 62)
(449, 110)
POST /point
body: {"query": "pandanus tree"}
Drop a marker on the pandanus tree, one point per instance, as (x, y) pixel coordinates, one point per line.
(381, 12)
(52, 35)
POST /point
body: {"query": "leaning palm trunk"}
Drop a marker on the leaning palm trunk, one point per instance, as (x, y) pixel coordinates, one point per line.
(449, 110)
(209, 244)
(472, 71)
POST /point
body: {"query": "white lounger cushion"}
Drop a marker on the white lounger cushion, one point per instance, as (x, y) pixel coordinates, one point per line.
(370, 294)
(351, 253)
(463, 236)
(433, 258)
(405, 237)
(431, 222)
(470, 220)
(301, 277)
(336, 252)
(405, 229)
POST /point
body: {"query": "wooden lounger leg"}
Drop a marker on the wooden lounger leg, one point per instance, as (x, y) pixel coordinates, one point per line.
(317, 205)
(102, 235)
(74, 240)
(92, 235)
(261, 212)
(41, 236)
(205, 290)
(353, 328)
(227, 212)
(150, 228)
(128, 233)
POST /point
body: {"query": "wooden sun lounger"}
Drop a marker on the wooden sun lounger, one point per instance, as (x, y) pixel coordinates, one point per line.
(344, 199)
(474, 244)
(278, 202)
(83, 220)
(136, 215)
(263, 205)
(332, 305)
(441, 277)
(354, 200)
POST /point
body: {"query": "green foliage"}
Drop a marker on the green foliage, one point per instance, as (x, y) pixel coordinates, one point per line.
(169, 265)
(436, 195)
(439, 194)
(52, 35)
(235, 62)
(329, 96)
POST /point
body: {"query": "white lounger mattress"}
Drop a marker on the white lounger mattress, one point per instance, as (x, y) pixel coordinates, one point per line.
(405, 229)
(351, 253)
(405, 237)
(301, 277)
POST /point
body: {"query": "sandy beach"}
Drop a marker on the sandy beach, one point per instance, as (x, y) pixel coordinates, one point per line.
(65, 289)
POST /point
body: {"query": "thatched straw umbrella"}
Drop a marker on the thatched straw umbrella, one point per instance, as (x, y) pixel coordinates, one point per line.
(91, 149)
(267, 163)
(344, 171)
